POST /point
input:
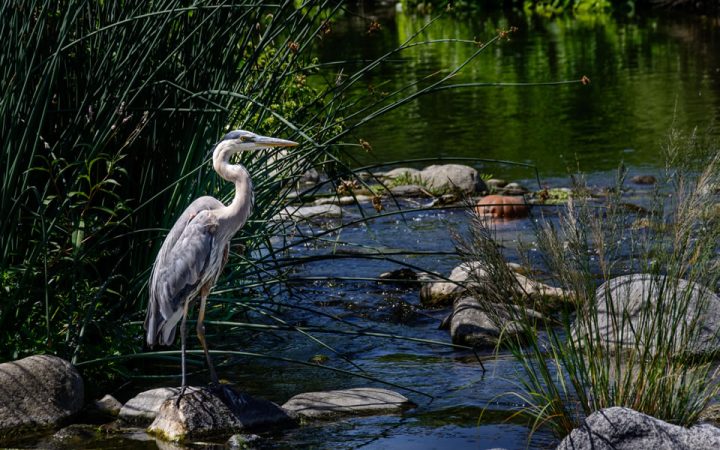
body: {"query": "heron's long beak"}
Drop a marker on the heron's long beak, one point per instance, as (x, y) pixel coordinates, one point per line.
(266, 142)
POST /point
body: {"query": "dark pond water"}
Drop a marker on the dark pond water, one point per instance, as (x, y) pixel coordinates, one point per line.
(647, 73)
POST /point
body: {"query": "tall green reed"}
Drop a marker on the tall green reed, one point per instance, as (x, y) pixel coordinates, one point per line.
(108, 111)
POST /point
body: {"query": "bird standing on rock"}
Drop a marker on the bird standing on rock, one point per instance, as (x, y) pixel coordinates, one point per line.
(196, 249)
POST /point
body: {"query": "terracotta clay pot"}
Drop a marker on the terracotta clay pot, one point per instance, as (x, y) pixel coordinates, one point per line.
(503, 206)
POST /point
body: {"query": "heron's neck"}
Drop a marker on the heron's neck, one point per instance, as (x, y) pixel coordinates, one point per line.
(234, 215)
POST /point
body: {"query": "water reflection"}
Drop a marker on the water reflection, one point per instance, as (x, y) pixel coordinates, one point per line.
(646, 74)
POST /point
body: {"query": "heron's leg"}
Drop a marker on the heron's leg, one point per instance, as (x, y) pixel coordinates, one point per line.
(183, 338)
(201, 333)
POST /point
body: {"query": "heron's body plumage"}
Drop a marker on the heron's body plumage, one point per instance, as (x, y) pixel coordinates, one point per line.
(196, 248)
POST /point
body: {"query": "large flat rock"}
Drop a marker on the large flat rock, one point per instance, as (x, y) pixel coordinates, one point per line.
(347, 402)
(625, 429)
(37, 393)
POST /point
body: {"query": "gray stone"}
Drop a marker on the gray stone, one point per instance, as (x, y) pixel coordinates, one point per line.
(444, 200)
(299, 213)
(348, 402)
(495, 183)
(38, 393)
(620, 428)
(400, 172)
(143, 408)
(108, 405)
(627, 306)
(447, 178)
(399, 276)
(311, 176)
(514, 189)
(100, 411)
(471, 275)
(409, 190)
(643, 179)
(471, 324)
(203, 412)
(343, 201)
(243, 440)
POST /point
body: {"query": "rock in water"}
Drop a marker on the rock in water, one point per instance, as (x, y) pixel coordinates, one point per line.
(643, 179)
(619, 428)
(207, 412)
(503, 207)
(143, 408)
(348, 402)
(470, 323)
(472, 275)
(37, 393)
(627, 314)
(448, 178)
(300, 213)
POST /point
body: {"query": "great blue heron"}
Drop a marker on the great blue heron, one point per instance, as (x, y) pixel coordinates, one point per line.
(196, 249)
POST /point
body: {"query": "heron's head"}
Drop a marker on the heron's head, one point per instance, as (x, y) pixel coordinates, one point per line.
(240, 140)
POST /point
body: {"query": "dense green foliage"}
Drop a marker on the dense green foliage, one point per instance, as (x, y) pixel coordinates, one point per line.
(108, 112)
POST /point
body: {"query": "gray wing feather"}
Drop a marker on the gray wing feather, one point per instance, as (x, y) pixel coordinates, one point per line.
(179, 268)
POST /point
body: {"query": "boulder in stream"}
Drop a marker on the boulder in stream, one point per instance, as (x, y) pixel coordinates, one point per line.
(447, 178)
(626, 314)
(347, 402)
(470, 275)
(205, 412)
(620, 428)
(470, 324)
(38, 393)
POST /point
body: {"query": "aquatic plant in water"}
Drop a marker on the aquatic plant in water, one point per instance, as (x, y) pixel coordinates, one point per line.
(649, 348)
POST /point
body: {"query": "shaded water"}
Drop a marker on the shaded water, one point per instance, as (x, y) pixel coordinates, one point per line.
(646, 73)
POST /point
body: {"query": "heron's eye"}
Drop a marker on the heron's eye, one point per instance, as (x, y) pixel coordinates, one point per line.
(243, 138)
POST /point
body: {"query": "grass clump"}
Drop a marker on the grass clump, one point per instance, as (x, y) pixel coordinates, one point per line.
(649, 348)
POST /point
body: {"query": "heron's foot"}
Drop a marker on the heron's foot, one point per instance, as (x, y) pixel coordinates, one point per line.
(232, 399)
(179, 396)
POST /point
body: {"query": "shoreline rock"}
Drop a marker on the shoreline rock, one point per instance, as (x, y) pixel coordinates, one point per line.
(38, 393)
(619, 428)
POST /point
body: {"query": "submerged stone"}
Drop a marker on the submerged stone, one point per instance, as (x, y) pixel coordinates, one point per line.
(347, 402)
